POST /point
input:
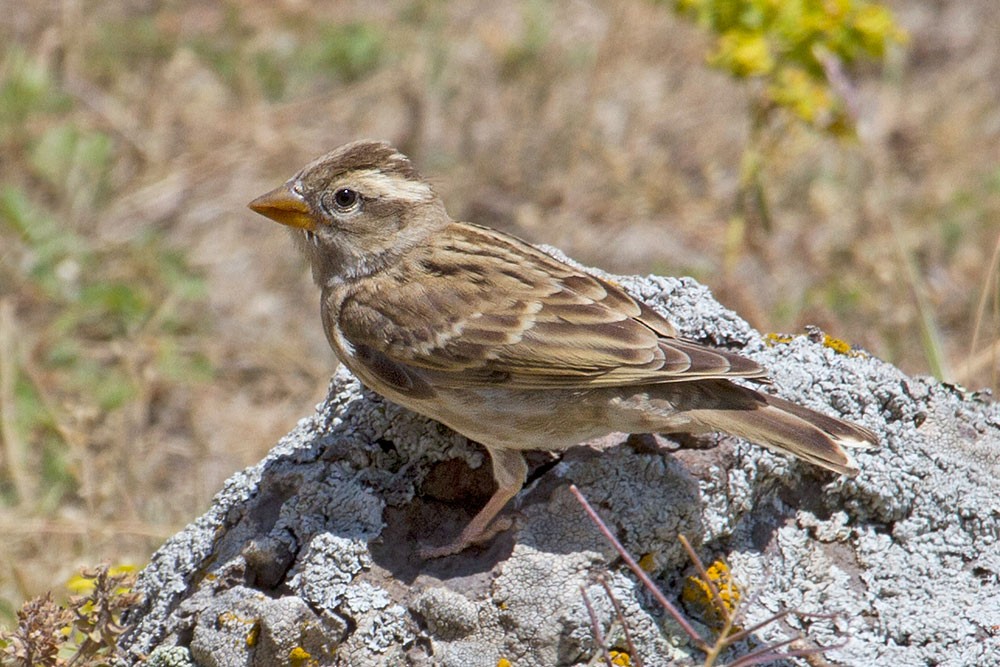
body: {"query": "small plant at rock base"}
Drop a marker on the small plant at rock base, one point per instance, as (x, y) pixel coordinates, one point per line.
(39, 635)
(726, 609)
(83, 633)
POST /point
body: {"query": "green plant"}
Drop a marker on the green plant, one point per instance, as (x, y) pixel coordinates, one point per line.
(346, 51)
(307, 55)
(101, 313)
(26, 87)
(529, 50)
(82, 319)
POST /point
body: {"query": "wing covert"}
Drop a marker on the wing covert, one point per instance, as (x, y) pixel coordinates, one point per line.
(490, 308)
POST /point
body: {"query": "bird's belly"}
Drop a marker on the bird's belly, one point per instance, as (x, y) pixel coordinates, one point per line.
(537, 419)
(545, 419)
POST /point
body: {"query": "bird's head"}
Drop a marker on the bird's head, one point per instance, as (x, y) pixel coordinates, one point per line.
(355, 209)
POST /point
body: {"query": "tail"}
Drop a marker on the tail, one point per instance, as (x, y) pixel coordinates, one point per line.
(782, 426)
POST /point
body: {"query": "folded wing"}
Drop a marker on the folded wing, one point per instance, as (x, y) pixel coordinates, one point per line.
(522, 319)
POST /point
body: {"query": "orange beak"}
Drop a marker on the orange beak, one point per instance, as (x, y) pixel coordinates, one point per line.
(284, 206)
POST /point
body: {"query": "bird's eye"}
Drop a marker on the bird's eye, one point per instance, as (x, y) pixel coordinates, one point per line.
(345, 198)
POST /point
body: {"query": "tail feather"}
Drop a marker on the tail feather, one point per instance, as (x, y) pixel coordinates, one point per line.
(790, 428)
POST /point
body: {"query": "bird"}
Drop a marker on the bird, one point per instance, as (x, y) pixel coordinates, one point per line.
(506, 344)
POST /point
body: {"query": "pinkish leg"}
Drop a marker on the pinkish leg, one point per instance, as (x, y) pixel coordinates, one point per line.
(509, 471)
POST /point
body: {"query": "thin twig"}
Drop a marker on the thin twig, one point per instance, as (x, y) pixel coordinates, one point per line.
(930, 332)
(726, 638)
(722, 640)
(974, 361)
(763, 655)
(727, 617)
(595, 627)
(639, 572)
(770, 653)
(620, 615)
(746, 632)
(989, 357)
(833, 69)
(113, 116)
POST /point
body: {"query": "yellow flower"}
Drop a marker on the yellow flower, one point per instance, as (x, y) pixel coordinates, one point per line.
(743, 53)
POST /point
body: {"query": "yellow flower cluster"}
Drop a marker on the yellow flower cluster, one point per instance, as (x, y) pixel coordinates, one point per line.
(796, 47)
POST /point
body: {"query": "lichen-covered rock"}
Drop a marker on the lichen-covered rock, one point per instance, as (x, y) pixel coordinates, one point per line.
(241, 626)
(171, 656)
(312, 555)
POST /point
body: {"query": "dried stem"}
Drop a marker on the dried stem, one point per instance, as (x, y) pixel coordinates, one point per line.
(595, 627)
(621, 617)
(638, 571)
(726, 637)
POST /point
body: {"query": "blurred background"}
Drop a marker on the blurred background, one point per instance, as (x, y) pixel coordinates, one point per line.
(156, 336)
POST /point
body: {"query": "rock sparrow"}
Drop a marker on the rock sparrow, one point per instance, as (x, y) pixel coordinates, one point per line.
(504, 343)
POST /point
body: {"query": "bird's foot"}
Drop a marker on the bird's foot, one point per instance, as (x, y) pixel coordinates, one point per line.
(468, 539)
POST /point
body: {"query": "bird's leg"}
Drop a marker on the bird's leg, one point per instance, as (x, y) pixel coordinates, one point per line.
(510, 471)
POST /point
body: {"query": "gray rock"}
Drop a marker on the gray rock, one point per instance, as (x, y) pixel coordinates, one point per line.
(315, 549)
(170, 656)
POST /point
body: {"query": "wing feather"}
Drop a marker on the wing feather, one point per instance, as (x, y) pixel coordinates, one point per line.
(490, 308)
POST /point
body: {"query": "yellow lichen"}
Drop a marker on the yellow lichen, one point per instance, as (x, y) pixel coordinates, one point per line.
(504, 662)
(698, 597)
(299, 657)
(621, 659)
(840, 346)
(648, 562)
(772, 339)
(253, 635)
(232, 618)
(836, 344)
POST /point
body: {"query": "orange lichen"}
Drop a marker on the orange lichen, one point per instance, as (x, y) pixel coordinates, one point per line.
(840, 346)
(621, 659)
(299, 657)
(253, 635)
(648, 562)
(698, 596)
(773, 339)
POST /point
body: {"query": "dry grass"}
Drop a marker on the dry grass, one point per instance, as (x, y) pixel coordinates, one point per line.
(155, 336)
